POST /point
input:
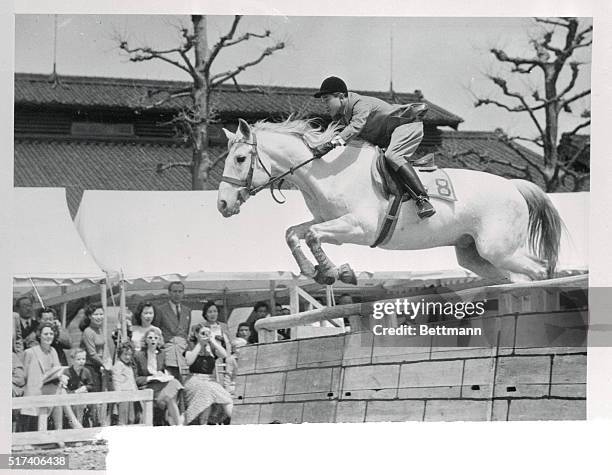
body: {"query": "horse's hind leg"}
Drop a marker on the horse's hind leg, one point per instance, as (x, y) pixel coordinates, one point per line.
(524, 264)
(508, 257)
(468, 257)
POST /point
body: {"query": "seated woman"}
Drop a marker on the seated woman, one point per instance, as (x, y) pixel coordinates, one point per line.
(150, 374)
(201, 390)
(44, 374)
(141, 323)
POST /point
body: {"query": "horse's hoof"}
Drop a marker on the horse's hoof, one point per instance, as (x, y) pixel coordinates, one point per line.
(347, 275)
(308, 270)
(323, 278)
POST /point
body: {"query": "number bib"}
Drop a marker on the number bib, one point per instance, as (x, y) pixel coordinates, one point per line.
(438, 184)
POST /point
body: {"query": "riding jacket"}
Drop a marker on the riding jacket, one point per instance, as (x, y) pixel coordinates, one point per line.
(374, 120)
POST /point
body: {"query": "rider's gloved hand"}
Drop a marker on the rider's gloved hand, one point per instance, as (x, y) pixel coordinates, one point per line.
(322, 149)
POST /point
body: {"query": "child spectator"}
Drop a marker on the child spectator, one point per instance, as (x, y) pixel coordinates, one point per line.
(124, 379)
(79, 379)
(242, 336)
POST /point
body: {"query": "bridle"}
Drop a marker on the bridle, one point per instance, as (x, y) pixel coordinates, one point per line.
(247, 183)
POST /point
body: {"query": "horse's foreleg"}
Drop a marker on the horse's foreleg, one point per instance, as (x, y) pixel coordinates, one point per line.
(347, 228)
(293, 236)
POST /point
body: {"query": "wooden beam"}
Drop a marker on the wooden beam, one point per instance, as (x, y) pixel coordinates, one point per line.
(473, 294)
(82, 398)
(310, 299)
(54, 436)
(272, 298)
(79, 294)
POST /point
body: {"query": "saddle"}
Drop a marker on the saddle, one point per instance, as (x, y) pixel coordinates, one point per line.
(435, 180)
(386, 178)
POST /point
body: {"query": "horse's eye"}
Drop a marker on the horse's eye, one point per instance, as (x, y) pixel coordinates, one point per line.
(240, 159)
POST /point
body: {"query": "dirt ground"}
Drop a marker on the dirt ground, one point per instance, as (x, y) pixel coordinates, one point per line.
(83, 455)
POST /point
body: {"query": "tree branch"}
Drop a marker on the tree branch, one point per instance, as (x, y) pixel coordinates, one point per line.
(247, 36)
(537, 166)
(575, 71)
(570, 163)
(503, 85)
(220, 44)
(574, 98)
(580, 126)
(550, 22)
(162, 167)
(501, 55)
(220, 78)
(146, 54)
(536, 141)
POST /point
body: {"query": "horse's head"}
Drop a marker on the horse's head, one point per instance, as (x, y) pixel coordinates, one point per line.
(244, 169)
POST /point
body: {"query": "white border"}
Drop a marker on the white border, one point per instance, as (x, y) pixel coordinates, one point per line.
(379, 447)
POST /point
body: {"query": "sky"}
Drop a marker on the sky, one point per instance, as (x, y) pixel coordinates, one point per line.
(445, 58)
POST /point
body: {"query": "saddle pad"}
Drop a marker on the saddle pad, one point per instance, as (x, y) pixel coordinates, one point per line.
(438, 184)
(436, 181)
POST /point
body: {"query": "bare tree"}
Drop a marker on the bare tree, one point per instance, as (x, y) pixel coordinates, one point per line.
(195, 58)
(554, 57)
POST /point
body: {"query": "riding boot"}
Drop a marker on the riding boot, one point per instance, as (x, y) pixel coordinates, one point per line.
(416, 190)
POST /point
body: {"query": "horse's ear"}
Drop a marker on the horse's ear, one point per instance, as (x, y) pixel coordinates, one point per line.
(244, 129)
(230, 135)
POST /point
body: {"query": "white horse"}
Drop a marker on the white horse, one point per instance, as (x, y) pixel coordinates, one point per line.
(504, 230)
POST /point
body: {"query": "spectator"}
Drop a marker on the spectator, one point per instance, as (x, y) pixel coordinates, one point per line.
(124, 379)
(74, 326)
(143, 318)
(62, 338)
(174, 320)
(150, 374)
(18, 384)
(201, 390)
(98, 360)
(260, 310)
(28, 324)
(45, 375)
(17, 338)
(79, 379)
(220, 332)
(242, 336)
(218, 329)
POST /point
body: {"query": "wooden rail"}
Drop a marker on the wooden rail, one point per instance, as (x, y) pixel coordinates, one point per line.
(266, 327)
(75, 435)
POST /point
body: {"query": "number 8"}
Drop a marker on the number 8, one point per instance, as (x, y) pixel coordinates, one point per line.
(443, 187)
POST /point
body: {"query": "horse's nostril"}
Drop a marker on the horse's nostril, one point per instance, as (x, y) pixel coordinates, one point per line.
(222, 204)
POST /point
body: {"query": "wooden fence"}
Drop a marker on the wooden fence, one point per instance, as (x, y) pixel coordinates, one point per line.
(75, 435)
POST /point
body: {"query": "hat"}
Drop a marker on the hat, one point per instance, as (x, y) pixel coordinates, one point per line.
(330, 85)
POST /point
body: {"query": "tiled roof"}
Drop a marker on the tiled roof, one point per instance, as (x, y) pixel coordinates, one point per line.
(485, 145)
(81, 165)
(252, 101)
(570, 145)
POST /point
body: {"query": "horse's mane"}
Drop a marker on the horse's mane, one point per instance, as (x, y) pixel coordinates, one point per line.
(307, 129)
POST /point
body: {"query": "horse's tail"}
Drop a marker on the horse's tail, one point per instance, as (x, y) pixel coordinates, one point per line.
(545, 224)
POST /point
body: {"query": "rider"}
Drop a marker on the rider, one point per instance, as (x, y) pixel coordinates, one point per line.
(393, 127)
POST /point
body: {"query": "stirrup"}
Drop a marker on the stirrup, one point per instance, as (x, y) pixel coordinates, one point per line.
(424, 208)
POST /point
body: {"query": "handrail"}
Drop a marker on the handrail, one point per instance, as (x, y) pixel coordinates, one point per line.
(361, 309)
(81, 398)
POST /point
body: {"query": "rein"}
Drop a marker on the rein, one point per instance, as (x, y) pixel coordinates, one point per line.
(248, 182)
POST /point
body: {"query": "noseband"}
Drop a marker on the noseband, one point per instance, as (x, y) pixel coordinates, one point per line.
(247, 184)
